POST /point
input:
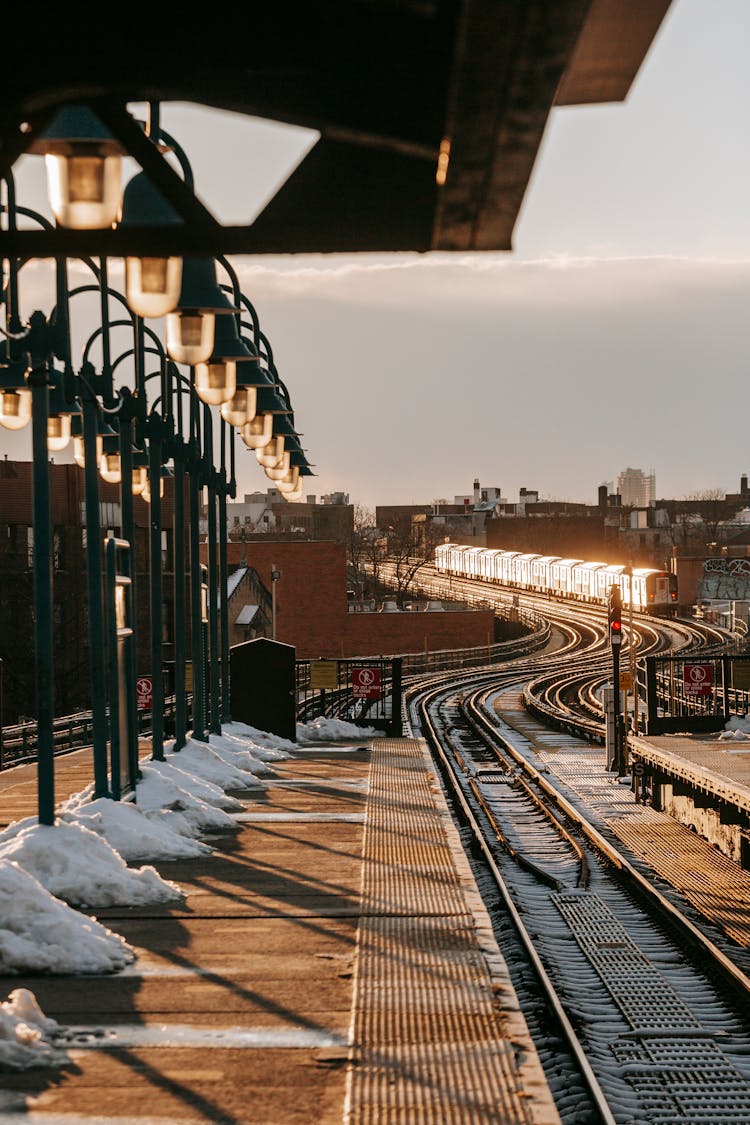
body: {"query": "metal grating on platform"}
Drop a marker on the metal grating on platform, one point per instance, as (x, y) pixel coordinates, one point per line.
(436, 1037)
(678, 1071)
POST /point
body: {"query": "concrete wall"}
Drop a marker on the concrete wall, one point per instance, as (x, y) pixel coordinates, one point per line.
(705, 821)
(391, 633)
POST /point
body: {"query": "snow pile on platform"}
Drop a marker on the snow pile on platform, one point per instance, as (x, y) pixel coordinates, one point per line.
(211, 763)
(262, 744)
(238, 752)
(83, 860)
(737, 728)
(41, 934)
(184, 804)
(333, 730)
(25, 1033)
(133, 832)
(78, 865)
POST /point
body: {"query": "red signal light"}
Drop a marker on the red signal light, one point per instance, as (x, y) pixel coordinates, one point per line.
(616, 626)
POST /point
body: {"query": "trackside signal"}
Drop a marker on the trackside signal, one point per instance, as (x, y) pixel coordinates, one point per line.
(614, 606)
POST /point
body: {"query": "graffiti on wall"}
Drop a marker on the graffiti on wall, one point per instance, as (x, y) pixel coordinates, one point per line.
(725, 580)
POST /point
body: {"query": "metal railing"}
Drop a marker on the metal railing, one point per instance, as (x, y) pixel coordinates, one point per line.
(70, 732)
(695, 693)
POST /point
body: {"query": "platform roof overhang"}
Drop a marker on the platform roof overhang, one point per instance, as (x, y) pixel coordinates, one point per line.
(388, 84)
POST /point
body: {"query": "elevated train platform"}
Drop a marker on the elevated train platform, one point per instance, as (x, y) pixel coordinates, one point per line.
(703, 781)
(332, 961)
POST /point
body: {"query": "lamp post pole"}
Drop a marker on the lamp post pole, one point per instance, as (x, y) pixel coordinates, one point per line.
(225, 487)
(213, 584)
(155, 434)
(94, 585)
(180, 716)
(43, 600)
(196, 635)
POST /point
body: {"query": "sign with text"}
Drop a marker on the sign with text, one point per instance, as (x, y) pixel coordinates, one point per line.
(324, 675)
(699, 679)
(366, 683)
(144, 692)
(741, 675)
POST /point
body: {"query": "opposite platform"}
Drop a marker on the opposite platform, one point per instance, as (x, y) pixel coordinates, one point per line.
(332, 961)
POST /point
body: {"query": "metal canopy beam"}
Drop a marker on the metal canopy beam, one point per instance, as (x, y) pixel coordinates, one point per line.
(385, 83)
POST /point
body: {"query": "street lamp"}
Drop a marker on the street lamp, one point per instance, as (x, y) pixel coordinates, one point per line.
(191, 327)
(152, 284)
(84, 169)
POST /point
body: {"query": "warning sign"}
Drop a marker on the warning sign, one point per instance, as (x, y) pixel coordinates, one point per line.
(324, 675)
(626, 681)
(144, 693)
(366, 683)
(699, 679)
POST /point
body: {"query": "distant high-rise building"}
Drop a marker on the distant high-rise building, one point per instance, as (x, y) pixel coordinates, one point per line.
(636, 488)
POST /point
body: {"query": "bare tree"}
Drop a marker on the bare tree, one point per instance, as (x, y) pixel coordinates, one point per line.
(361, 554)
(410, 546)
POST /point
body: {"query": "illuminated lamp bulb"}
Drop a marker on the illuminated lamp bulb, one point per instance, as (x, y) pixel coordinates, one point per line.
(290, 482)
(58, 432)
(79, 452)
(84, 169)
(270, 455)
(298, 494)
(257, 433)
(216, 382)
(85, 189)
(146, 493)
(15, 408)
(152, 285)
(140, 479)
(110, 468)
(279, 471)
(240, 409)
(190, 336)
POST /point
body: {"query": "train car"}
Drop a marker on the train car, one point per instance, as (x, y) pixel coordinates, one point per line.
(649, 590)
(541, 571)
(584, 580)
(561, 578)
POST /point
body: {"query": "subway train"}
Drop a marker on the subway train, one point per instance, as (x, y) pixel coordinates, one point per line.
(653, 591)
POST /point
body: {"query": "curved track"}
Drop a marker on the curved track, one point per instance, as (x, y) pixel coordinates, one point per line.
(639, 1011)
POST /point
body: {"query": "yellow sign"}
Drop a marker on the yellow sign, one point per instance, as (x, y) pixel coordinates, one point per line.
(188, 675)
(626, 681)
(741, 674)
(324, 674)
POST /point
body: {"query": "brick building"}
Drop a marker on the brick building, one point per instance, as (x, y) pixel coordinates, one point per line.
(269, 513)
(70, 593)
(312, 611)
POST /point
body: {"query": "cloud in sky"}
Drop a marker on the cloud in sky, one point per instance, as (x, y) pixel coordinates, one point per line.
(409, 378)
(410, 375)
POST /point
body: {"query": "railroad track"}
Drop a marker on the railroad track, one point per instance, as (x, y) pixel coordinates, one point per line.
(639, 1013)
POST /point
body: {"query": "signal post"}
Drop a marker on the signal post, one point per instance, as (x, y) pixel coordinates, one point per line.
(616, 749)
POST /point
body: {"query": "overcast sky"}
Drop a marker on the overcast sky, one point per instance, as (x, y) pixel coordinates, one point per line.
(615, 334)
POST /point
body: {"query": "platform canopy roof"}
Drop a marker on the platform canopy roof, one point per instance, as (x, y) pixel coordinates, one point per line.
(430, 112)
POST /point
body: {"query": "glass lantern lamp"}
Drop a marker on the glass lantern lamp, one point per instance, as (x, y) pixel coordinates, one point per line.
(152, 284)
(290, 482)
(270, 455)
(84, 169)
(241, 407)
(191, 326)
(257, 433)
(15, 407)
(58, 432)
(279, 471)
